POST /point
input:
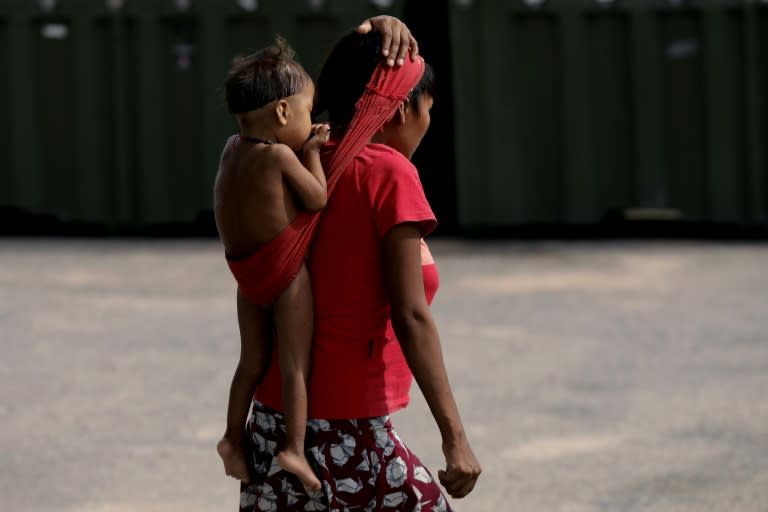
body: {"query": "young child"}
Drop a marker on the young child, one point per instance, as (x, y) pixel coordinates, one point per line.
(269, 176)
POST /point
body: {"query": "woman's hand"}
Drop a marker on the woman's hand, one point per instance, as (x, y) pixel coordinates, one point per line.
(462, 469)
(397, 39)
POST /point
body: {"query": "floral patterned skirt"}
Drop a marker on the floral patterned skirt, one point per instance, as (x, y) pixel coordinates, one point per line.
(362, 465)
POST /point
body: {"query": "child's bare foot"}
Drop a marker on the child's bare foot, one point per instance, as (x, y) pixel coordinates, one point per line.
(234, 460)
(297, 464)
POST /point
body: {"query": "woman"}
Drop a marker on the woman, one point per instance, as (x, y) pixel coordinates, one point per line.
(372, 277)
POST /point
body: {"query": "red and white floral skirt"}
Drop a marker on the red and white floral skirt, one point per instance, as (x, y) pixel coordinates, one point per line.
(363, 465)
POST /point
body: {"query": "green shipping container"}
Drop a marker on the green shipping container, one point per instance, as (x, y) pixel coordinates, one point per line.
(111, 111)
(569, 110)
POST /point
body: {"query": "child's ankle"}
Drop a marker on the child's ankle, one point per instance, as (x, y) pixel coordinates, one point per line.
(235, 438)
(296, 449)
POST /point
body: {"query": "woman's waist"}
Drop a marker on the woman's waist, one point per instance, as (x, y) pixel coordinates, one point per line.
(342, 425)
(338, 404)
(341, 330)
(348, 380)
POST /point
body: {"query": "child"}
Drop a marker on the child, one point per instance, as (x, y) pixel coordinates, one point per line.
(260, 189)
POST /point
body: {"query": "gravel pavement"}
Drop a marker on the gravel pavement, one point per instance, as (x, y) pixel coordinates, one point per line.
(592, 376)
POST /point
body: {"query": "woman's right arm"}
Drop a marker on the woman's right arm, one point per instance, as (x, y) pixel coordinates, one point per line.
(420, 342)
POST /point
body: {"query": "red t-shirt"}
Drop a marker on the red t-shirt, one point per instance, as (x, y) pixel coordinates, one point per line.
(358, 369)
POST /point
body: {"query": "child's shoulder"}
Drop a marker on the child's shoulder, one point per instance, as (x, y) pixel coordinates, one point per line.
(279, 152)
(271, 155)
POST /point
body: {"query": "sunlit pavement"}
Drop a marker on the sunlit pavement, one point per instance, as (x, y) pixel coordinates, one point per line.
(618, 376)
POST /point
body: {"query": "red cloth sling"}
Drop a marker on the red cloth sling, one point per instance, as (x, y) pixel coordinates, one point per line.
(264, 275)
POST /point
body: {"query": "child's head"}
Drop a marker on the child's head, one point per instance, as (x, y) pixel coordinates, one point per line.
(271, 89)
(343, 79)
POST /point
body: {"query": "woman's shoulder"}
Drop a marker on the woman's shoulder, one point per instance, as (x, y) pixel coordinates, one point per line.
(384, 151)
(380, 158)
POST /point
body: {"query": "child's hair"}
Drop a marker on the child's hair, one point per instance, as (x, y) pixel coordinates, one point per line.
(346, 72)
(262, 77)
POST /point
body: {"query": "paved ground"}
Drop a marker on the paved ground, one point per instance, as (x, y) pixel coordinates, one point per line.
(628, 376)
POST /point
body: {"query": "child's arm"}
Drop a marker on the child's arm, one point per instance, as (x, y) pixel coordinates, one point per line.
(306, 176)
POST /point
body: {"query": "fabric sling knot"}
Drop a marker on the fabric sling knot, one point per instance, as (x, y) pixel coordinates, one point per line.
(264, 275)
(385, 90)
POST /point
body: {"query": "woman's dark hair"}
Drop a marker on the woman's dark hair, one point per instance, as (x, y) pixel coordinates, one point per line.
(425, 86)
(265, 76)
(347, 70)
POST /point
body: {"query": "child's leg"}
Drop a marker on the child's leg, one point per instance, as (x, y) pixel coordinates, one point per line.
(294, 321)
(255, 324)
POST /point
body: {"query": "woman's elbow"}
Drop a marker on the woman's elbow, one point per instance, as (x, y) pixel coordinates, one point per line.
(409, 321)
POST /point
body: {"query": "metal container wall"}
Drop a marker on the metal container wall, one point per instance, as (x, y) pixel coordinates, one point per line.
(115, 115)
(6, 182)
(61, 156)
(567, 110)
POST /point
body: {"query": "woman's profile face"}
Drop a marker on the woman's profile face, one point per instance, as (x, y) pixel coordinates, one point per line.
(406, 136)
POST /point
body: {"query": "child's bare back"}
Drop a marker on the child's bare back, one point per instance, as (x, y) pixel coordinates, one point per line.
(268, 173)
(253, 202)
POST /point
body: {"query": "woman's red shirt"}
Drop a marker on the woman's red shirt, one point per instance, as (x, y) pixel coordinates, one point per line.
(358, 369)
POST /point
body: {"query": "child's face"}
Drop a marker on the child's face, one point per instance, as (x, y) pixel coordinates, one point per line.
(299, 115)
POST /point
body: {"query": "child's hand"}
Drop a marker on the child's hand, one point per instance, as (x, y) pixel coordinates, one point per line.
(319, 136)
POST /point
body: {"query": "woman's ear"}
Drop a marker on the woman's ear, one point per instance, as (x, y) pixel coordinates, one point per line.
(281, 111)
(400, 114)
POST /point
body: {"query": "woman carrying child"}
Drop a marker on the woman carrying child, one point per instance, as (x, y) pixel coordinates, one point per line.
(268, 173)
(372, 279)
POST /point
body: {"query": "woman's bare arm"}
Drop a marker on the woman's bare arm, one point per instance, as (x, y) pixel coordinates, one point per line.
(419, 339)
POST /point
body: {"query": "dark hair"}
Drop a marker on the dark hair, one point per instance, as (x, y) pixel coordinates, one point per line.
(347, 70)
(425, 86)
(265, 76)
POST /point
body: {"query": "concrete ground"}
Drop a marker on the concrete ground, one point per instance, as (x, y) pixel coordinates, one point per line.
(606, 376)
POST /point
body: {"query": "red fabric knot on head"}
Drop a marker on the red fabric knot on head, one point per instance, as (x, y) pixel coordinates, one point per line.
(396, 82)
(387, 87)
